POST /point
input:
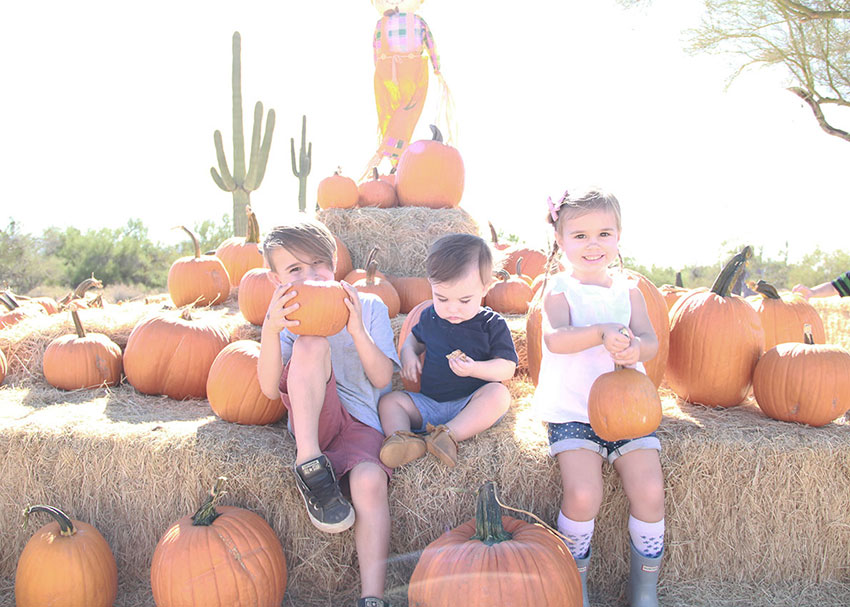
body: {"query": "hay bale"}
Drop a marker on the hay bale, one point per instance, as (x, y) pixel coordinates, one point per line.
(403, 234)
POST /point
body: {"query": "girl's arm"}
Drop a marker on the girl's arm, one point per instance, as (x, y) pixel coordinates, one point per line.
(562, 338)
(644, 343)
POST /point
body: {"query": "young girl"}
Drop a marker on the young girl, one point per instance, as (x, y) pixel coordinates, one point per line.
(585, 309)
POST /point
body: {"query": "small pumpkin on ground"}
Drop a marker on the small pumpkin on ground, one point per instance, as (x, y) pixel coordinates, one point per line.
(233, 388)
(533, 262)
(82, 360)
(171, 353)
(377, 192)
(806, 382)
(255, 294)
(509, 295)
(383, 288)
(218, 556)
(410, 321)
(337, 192)
(495, 560)
(66, 563)
(241, 253)
(201, 280)
(322, 310)
(430, 174)
(412, 290)
(783, 316)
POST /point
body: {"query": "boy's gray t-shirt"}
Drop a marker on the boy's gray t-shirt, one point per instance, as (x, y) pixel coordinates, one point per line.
(356, 392)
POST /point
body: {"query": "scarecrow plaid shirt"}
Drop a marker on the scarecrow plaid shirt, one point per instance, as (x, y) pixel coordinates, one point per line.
(406, 33)
(842, 284)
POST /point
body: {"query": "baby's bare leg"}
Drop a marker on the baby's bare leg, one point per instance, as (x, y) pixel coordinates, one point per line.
(489, 403)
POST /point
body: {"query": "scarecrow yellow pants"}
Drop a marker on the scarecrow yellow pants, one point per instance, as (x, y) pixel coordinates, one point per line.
(401, 84)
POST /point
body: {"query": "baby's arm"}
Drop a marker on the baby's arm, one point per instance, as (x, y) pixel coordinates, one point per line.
(644, 343)
(562, 338)
(495, 369)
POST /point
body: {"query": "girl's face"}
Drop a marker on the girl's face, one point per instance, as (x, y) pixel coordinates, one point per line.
(590, 243)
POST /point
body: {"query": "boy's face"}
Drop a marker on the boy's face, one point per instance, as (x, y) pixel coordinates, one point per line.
(459, 300)
(290, 267)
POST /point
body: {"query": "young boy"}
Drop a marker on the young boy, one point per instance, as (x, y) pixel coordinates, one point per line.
(468, 352)
(330, 387)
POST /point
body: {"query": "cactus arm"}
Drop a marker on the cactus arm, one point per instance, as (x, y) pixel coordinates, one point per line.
(308, 160)
(292, 153)
(259, 154)
(265, 148)
(225, 181)
(218, 180)
(238, 135)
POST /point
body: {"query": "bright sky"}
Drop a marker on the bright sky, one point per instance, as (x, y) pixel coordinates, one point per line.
(109, 110)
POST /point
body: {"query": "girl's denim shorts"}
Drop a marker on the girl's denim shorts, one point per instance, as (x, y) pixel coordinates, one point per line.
(569, 436)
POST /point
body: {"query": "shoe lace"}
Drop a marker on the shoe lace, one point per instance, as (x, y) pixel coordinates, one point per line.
(324, 491)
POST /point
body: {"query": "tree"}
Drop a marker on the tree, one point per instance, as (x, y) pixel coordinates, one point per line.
(810, 38)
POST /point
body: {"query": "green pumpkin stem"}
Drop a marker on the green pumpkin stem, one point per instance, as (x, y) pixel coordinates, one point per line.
(731, 271)
(194, 238)
(488, 517)
(8, 301)
(66, 526)
(252, 231)
(206, 514)
(81, 333)
(767, 290)
(88, 283)
(375, 176)
(679, 282)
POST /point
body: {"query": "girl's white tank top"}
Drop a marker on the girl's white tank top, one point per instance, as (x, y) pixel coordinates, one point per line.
(565, 379)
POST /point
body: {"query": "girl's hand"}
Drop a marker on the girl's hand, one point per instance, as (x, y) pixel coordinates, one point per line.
(629, 356)
(411, 366)
(355, 311)
(462, 366)
(279, 308)
(614, 338)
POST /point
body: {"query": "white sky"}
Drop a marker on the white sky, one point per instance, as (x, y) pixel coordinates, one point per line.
(108, 111)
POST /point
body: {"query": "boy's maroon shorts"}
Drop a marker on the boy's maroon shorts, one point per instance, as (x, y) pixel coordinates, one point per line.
(344, 440)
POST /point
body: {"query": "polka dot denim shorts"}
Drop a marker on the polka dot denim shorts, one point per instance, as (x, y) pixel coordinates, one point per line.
(569, 436)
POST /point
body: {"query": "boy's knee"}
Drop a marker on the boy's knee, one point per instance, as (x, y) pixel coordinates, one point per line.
(310, 345)
(368, 481)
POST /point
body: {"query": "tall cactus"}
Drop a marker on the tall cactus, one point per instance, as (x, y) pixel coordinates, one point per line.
(240, 183)
(305, 157)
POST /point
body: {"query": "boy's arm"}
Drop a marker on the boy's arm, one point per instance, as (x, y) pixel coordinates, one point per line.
(377, 365)
(270, 363)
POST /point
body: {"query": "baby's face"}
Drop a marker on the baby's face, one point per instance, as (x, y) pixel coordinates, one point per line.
(459, 300)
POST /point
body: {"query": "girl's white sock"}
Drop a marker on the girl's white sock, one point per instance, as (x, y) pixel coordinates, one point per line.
(648, 538)
(579, 534)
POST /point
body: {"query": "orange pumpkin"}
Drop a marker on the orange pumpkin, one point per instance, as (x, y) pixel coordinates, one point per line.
(533, 261)
(430, 174)
(218, 556)
(534, 336)
(233, 388)
(50, 305)
(412, 290)
(241, 253)
(406, 327)
(255, 294)
(322, 310)
(337, 192)
(360, 273)
(343, 260)
(510, 295)
(81, 360)
(66, 563)
(656, 308)
(716, 339)
(201, 280)
(495, 560)
(381, 287)
(15, 312)
(672, 294)
(805, 382)
(171, 353)
(376, 192)
(783, 316)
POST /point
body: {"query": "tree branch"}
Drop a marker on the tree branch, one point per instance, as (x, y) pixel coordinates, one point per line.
(805, 12)
(816, 110)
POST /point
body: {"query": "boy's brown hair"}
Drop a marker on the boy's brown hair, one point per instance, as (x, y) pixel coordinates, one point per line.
(307, 237)
(451, 255)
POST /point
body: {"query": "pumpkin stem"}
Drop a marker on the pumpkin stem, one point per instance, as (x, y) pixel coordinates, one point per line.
(493, 236)
(88, 283)
(767, 290)
(81, 333)
(488, 517)
(519, 266)
(436, 134)
(194, 239)
(186, 314)
(369, 258)
(678, 281)
(808, 337)
(375, 176)
(370, 272)
(503, 275)
(8, 301)
(731, 271)
(252, 231)
(206, 514)
(66, 527)
(624, 332)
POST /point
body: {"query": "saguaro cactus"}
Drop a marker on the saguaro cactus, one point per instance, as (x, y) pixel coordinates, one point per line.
(305, 157)
(240, 183)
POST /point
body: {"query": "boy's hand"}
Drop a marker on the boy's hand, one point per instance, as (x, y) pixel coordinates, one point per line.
(279, 308)
(355, 311)
(613, 339)
(411, 365)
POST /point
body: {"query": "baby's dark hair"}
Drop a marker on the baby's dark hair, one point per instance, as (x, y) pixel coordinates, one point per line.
(307, 237)
(451, 255)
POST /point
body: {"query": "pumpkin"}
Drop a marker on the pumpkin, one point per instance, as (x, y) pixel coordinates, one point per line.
(381, 287)
(534, 336)
(783, 316)
(412, 290)
(806, 382)
(16, 312)
(343, 260)
(233, 388)
(201, 280)
(430, 174)
(337, 192)
(76, 299)
(171, 353)
(79, 361)
(495, 560)
(533, 261)
(242, 253)
(510, 295)
(411, 321)
(50, 305)
(390, 179)
(66, 563)
(322, 310)
(376, 193)
(360, 273)
(656, 308)
(716, 339)
(525, 277)
(671, 294)
(255, 294)
(219, 556)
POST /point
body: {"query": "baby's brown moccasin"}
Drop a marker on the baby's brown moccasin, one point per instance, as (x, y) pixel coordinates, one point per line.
(400, 448)
(441, 444)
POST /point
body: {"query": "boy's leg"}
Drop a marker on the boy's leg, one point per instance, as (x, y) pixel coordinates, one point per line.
(368, 485)
(309, 373)
(398, 413)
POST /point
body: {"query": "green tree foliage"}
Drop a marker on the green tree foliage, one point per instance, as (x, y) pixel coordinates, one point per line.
(23, 263)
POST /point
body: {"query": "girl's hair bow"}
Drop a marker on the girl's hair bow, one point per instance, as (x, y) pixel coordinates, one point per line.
(554, 208)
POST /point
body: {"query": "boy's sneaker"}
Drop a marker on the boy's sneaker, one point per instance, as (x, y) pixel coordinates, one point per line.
(441, 444)
(328, 509)
(371, 601)
(401, 448)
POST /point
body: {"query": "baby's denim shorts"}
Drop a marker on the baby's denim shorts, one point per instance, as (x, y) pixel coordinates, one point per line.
(436, 413)
(569, 436)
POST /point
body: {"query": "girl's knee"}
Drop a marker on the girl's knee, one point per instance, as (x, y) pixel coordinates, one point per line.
(581, 500)
(649, 500)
